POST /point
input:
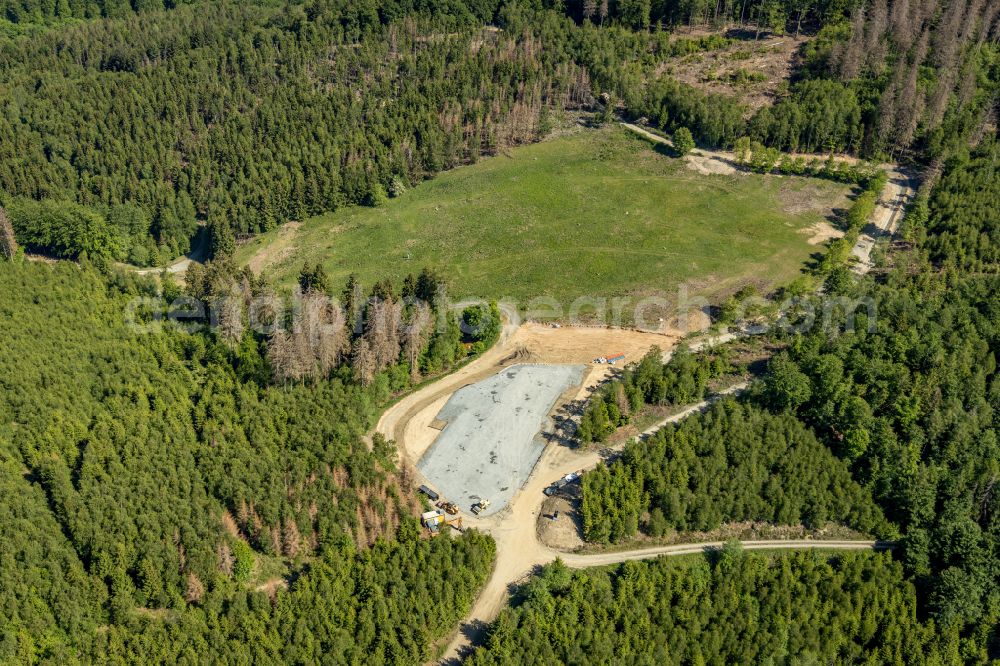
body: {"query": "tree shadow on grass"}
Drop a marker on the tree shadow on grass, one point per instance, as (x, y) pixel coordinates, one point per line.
(665, 150)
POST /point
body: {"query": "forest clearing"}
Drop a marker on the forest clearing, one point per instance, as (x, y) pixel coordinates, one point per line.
(596, 212)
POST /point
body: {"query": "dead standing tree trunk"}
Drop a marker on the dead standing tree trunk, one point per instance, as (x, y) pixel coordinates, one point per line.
(8, 244)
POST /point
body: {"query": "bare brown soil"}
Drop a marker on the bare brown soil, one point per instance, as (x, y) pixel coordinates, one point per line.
(821, 232)
(273, 253)
(753, 74)
(708, 165)
(559, 525)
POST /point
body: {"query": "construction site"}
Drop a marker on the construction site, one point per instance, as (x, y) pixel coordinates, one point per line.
(489, 434)
(476, 436)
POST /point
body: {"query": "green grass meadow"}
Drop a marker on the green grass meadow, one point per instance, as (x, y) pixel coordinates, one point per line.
(591, 213)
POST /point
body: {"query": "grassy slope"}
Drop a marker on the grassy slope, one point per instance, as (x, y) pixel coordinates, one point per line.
(596, 213)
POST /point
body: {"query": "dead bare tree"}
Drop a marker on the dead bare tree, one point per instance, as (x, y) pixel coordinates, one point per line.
(8, 243)
(291, 540)
(230, 310)
(876, 45)
(195, 589)
(852, 54)
(290, 359)
(323, 326)
(363, 362)
(902, 26)
(382, 331)
(416, 333)
(224, 555)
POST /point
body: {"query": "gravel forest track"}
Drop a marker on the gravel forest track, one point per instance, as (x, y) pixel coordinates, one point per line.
(520, 551)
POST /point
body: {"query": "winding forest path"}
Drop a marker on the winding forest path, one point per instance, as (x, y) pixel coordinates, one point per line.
(898, 192)
(198, 254)
(520, 551)
(580, 561)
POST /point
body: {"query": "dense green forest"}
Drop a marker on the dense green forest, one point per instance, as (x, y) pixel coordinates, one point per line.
(47, 11)
(246, 115)
(681, 381)
(912, 404)
(155, 482)
(732, 464)
(734, 608)
(183, 496)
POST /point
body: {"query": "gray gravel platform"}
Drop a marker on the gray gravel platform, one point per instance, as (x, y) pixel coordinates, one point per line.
(492, 440)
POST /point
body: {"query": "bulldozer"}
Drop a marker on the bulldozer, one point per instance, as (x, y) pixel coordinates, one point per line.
(449, 507)
(479, 506)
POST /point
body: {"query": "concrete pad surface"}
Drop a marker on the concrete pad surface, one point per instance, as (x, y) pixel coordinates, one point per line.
(492, 438)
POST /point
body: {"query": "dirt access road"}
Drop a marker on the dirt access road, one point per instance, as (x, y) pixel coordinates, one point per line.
(519, 549)
(602, 559)
(899, 191)
(177, 268)
(410, 421)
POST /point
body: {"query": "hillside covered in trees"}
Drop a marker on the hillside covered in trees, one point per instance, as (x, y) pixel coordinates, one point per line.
(246, 115)
(907, 402)
(744, 608)
(912, 405)
(157, 485)
(250, 114)
(731, 464)
(182, 496)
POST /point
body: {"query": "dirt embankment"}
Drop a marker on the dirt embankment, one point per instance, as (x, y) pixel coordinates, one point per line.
(275, 252)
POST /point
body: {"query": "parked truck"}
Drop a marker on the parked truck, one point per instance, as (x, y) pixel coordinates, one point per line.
(610, 359)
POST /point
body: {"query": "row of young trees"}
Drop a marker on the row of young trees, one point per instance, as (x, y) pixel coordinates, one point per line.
(682, 380)
(734, 607)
